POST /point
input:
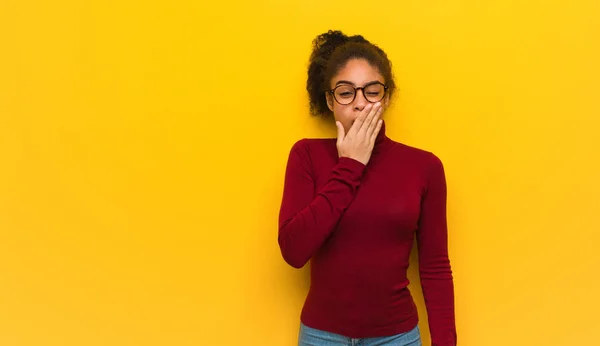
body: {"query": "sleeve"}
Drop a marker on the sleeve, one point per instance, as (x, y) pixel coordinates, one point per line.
(307, 217)
(434, 264)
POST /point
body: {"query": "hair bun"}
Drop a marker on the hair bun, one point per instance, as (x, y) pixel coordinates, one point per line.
(326, 43)
(330, 40)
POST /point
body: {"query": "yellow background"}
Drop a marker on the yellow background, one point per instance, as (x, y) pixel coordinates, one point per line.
(143, 146)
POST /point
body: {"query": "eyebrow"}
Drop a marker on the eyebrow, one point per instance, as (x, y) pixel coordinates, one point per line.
(348, 82)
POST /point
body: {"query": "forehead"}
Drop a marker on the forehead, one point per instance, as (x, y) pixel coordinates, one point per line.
(359, 72)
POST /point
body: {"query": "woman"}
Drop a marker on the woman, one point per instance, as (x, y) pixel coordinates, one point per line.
(354, 205)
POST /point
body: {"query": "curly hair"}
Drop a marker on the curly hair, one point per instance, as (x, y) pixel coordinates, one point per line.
(331, 51)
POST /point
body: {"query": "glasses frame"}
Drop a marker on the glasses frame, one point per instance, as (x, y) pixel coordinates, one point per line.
(356, 89)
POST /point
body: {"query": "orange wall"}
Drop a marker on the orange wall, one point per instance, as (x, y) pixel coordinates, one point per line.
(143, 146)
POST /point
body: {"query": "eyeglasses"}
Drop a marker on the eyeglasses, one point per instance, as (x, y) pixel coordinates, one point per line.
(345, 94)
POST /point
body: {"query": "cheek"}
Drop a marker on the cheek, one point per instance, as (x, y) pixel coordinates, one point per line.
(345, 116)
(343, 113)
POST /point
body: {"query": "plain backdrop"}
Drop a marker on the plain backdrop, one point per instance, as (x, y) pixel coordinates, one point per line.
(143, 146)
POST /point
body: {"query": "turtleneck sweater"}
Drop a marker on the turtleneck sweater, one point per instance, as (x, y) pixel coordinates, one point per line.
(356, 224)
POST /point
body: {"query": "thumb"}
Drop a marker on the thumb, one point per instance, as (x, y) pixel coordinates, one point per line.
(340, 132)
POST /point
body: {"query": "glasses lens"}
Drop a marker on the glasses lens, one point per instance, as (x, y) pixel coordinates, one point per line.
(374, 92)
(344, 94)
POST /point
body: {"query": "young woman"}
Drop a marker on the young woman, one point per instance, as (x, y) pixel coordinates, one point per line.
(354, 206)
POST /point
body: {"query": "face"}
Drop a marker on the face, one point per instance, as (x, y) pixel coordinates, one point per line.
(356, 73)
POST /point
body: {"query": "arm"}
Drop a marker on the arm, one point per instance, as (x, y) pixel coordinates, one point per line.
(434, 264)
(306, 217)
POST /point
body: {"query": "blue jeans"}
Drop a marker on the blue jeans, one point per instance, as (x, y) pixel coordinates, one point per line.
(315, 337)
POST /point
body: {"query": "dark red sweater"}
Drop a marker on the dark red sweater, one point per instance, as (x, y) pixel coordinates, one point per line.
(357, 223)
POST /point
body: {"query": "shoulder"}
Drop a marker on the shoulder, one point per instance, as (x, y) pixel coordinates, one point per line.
(307, 143)
(312, 146)
(306, 151)
(418, 156)
(425, 164)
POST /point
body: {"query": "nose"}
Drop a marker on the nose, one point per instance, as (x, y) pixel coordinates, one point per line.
(360, 102)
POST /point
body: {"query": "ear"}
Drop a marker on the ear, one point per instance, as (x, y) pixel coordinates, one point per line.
(329, 99)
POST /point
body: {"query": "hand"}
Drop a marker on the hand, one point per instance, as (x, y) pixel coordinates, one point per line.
(358, 143)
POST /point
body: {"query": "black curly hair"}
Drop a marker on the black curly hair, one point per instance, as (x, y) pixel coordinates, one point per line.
(331, 51)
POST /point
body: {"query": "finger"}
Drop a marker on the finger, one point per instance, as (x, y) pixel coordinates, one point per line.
(360, 120)
(376, 132)
(374, 121)
(340, 132)
(370, 116)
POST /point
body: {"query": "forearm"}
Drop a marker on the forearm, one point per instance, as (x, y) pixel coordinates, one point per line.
(438, 291)
(303, 228)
